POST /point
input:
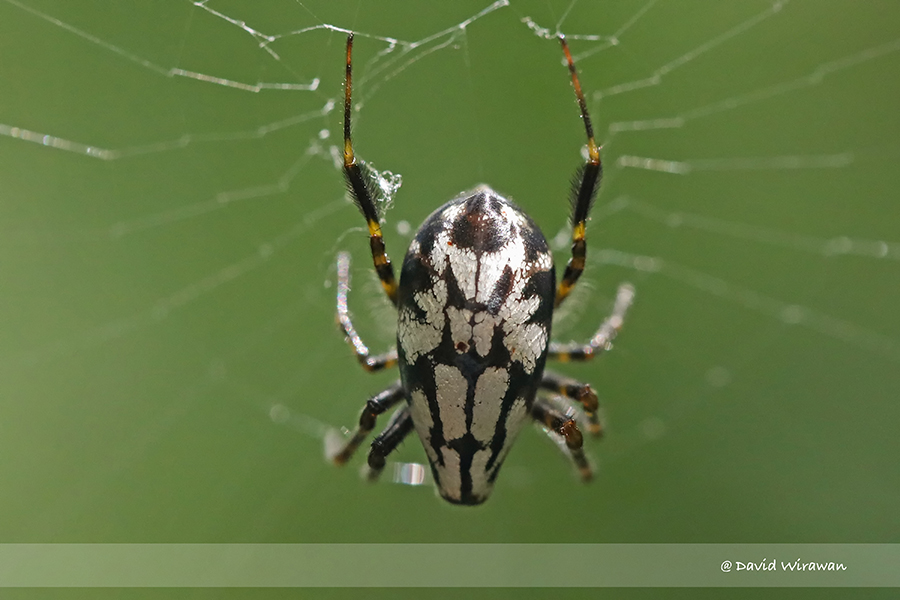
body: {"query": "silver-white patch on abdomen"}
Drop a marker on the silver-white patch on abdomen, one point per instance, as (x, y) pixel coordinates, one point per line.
(544, 261)
(451, 389)
(483, 331)
(420, 336)
(415, 336)
(526, 343)
(481, 487)
(517, 309)
(490, 389)
(449, 474)
(512, 254)
(433, 301)
(438, 256)
(465, 267)
(460, 328)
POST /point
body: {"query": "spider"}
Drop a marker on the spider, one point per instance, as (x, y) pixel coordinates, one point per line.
(475, 301)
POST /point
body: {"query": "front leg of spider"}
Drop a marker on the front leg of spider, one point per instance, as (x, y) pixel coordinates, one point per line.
(585, 184)
(584, 190)
(365, 191)
(362, 186)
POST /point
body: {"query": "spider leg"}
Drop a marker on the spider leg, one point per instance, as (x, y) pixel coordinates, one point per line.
(585, 184)
(562, 424)
(375, 406)
(369, 363)
(578, 392)
(602, 340)
(398, 427)
(364, 187)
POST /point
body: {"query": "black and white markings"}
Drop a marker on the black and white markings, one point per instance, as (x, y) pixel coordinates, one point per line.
(475, 301)
(476, 298)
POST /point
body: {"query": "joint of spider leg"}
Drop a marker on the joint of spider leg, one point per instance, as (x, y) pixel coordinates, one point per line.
(371, 365)
(362, 351)
(376, 458)
(379, 252)
(368, 415)
(579, 246)
(570, 431)
(586, 396)
(349, 158)
(593, 149)
(601, 342)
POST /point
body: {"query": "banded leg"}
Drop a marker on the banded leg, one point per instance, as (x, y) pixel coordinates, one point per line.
(564, 425)
(374, 407)
(602, 340)
(585, 184)
(369, 363)
(364, 187)
(579, 392)
(398, 427)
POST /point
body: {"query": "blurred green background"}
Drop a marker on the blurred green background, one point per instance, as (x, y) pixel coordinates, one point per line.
(167, 333)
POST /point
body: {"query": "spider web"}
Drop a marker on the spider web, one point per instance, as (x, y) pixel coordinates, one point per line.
(174, 204)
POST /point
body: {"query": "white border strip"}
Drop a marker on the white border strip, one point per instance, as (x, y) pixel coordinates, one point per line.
(449, 565)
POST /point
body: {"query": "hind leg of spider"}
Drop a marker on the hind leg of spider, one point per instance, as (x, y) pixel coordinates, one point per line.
(602, 340)
(578, 392)
(398, 427)
(562, 424)
(375, 406)
(368, 362)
